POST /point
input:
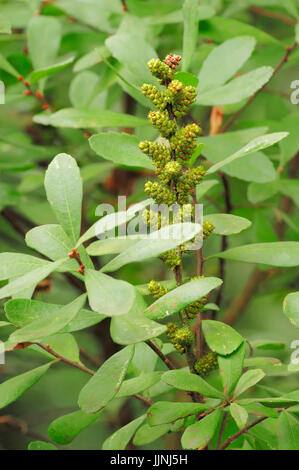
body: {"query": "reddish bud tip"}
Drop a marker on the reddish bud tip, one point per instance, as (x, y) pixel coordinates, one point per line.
(47, 346)
(46, 106)
(26, 83)
(20, 78)
(39, 94)
(71, 254)
(82, 266)
(87, 135)
(25, 50)
(27, 92)
(125, 8)
(280, 169)
(71, 19)
(77, 253)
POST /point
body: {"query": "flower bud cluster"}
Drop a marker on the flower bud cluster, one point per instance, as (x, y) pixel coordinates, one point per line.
(172, 258)
(180, 337)
(160, 193)
(160, 120)
(206, 364)
(156, 289)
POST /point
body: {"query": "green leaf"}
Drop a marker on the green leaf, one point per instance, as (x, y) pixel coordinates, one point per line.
(13, 388)
(221, 338)
(288, 431)
(290, 188)
(181, 297)
(5, 65)
(43, 36)
(291, 308)
(204, 187)
(41, 445)
(199, 434)
(105, 384)
(29, 279)
(111, 221)
(267, 344)
(121, 438)
(62, 343)
(219, 29)
(107, 295)
(186, 78)
(167, 412)
(89, 118)
(255, 167)
(236, 90)
(63, 186)
(121, 149)
(184, 380)
(231, 368)
(227, 224)
(53, 242)
(239, 414)
(17, 264)
(91, 58)
(280, 254)
(21, 312)
(190, 36)
(134, 59)
(133, 328)
(5, 26)
(155, 244)
(111, 246)
(258, 192)
(297, 32)
(259, 143)
(289, 146)
(49, 324)
(95, 14)
(147, 434)
(50, 70)
(64, 429)
(138, 384)
(226, 62)
(247, 380)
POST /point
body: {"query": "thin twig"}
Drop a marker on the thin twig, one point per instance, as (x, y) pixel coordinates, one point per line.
(289, 49)
(158, 351)
(223, 423)
(48, 349)
(232, 438)
(272, 14)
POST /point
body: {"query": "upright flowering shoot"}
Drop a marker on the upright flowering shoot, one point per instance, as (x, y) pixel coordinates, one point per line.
(176, 179)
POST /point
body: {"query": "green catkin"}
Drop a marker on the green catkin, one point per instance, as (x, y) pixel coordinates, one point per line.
(153, 219)
(206, 364)
(157, 97)
(180, 337)
(160, 70)
(159, 193)
(172, 258)
(207, 229)
(156, 289)
(160, 120)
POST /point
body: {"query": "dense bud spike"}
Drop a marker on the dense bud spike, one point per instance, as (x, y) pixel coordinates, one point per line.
(156, 289)
(206, 364)
(172, 60)
(160, 120)
(159, 193)
(157, 97)
(172, 258)
(160, 69)
(207, 229)
(173, 168)
(153, 219)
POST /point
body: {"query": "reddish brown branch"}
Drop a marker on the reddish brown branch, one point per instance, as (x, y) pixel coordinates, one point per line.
(232, 119)
(273, 15)
(232, 438)
(159, 353)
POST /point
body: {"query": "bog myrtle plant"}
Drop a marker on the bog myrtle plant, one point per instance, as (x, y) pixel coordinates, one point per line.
(158, 282)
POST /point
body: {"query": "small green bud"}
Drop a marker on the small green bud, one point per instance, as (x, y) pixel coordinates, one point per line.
(156, 289)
